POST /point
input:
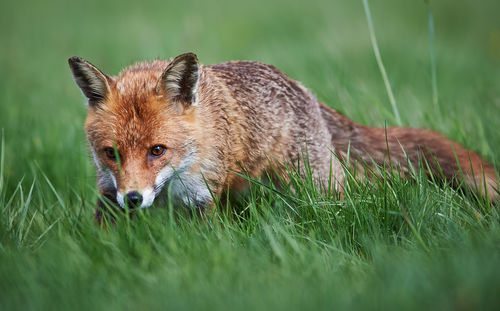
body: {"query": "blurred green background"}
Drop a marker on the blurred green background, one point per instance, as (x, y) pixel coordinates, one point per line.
(52, 255)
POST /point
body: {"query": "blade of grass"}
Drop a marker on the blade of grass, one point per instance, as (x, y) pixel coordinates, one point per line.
(380, 64)
(432, 54)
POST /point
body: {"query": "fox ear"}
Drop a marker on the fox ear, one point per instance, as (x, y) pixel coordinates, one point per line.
(93, 82)
(180, 80)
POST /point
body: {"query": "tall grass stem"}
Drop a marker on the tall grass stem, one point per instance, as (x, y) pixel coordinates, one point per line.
(432, 53)
(380, 63)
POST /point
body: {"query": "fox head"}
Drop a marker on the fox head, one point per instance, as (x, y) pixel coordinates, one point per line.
(140, 126)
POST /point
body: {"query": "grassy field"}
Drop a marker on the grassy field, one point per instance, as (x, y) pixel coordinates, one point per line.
(390, 244)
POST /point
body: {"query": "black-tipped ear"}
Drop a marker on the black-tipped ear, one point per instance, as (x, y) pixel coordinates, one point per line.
(180, 79)
(93, 82)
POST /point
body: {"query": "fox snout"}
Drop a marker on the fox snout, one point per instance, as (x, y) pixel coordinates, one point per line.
(135, 198)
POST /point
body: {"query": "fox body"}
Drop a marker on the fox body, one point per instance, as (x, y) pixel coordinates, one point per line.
(188, 127)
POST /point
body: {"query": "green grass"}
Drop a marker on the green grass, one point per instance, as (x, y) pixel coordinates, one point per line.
(390, 244)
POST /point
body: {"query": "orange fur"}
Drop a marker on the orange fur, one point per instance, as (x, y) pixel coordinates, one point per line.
(236, 116)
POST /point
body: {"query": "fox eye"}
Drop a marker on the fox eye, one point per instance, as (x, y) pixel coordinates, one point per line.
(110, 153)
(157, 151)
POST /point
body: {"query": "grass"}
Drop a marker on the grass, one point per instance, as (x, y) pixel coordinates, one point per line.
(389, 244)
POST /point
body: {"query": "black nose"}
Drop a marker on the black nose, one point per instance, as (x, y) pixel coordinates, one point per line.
(134, 199)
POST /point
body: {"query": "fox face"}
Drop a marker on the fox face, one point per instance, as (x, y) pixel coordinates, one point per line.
(140, 128)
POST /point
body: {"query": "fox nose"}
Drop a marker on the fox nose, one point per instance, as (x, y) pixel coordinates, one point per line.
(134, 199)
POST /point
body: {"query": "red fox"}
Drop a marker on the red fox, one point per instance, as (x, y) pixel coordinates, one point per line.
(190, 126)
